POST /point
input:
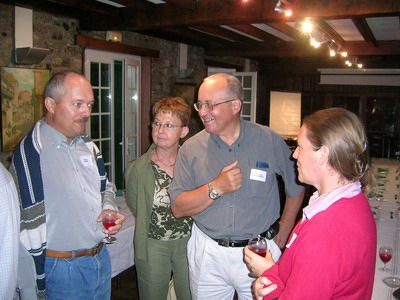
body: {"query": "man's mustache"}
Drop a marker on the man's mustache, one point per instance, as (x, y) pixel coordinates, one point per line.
(83, 120)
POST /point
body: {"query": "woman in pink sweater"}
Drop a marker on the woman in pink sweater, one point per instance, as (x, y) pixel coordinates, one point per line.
(331, 251)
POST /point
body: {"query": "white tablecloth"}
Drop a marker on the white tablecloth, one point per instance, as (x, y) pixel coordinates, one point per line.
(385, 207)
(121, 251)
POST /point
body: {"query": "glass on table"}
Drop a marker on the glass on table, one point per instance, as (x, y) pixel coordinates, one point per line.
(258, 245)
(385, 254)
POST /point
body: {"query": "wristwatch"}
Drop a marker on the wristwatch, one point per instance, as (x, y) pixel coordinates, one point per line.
(212, 192)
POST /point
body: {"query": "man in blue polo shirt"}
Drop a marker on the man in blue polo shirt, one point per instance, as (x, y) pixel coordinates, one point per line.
(225, 178)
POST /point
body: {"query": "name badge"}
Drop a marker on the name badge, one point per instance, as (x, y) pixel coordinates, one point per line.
(258, 175)
(86, 160)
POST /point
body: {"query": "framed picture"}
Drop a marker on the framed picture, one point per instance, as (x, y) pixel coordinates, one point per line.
(22, 93)
(186, 91)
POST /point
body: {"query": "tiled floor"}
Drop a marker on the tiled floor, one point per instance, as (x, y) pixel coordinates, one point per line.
(124, 286)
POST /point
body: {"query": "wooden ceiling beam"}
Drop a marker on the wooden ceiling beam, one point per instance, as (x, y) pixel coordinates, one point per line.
(364, 30)
(329, 32)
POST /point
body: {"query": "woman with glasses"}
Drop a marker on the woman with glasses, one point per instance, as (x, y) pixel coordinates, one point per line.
(160, 238)
(331, 251)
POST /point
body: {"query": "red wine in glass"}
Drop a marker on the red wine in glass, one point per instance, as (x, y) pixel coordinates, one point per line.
(385, 254)
(258, 245)
(259, 251)
(109, 221)
(385, 257)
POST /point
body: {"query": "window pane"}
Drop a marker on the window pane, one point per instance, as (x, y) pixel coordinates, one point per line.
(94, 74)
(105, 126)
(105, 75)
(246, 109)
(247, 82)
(105, 100)
(94, 127)
(95, 108)
(247, 95)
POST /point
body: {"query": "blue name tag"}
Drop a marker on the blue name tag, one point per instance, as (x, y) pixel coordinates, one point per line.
(262, 165)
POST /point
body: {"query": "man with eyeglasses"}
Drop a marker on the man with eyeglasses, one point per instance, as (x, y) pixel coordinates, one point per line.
(64, 197)
(225, 178)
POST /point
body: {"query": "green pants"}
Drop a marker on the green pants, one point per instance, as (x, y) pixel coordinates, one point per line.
(154, 275)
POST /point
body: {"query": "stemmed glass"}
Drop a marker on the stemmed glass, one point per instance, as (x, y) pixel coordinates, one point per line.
(109, 221)
(258, 245)
(385, 254)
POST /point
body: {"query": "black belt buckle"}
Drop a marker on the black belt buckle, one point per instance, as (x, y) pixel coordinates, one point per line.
(224, 243)
(272, 231)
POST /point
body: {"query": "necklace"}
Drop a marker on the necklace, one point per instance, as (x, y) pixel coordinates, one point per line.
(163, 163)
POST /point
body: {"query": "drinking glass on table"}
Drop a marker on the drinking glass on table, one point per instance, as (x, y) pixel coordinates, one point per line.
(258, 245)
(109, 221)
(385, 254)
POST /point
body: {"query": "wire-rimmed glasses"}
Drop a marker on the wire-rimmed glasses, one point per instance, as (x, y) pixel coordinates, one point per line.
(208, 105)
(167, 125)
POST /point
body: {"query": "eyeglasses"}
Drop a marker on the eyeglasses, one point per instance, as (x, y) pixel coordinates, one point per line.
(208, 105)
(168, 125)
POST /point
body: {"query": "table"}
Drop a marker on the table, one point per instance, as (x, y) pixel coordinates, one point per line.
(387, 217)
(121, 251)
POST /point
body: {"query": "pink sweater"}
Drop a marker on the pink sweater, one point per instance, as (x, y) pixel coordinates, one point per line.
(332, 257)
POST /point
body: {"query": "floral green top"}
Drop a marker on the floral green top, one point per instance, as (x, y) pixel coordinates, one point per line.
(163, 225)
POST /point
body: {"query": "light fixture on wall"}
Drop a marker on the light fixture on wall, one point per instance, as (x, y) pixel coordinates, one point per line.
(114, 36)
(284, 7)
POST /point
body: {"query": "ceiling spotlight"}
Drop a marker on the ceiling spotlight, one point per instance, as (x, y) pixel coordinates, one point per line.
(343, 53)
(314, 43)
(307, 26)
(332, 53)
(284, 7)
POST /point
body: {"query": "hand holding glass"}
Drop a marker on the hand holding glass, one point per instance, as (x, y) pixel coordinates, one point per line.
(385, 254)
(259, 245)
(109, 221)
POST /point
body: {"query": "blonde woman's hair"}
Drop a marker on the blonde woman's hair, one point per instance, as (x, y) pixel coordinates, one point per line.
(343, 134)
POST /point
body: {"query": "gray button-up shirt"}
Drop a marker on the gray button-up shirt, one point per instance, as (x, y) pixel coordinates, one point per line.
(261, 154)
(72, 192)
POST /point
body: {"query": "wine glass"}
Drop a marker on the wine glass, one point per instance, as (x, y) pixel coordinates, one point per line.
(258, 245)
(385, 254)
(109, 221)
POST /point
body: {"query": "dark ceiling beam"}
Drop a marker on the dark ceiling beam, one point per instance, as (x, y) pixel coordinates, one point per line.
(304, 50)
(73, 8)
(329, 32)
(364, 30)
(211, 12)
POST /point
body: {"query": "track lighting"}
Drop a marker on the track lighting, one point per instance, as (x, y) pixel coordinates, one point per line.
(284, 7)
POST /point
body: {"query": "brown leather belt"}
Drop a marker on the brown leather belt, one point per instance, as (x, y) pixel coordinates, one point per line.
(72, 254)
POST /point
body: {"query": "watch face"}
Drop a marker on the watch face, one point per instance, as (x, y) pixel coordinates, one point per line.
(212, 193)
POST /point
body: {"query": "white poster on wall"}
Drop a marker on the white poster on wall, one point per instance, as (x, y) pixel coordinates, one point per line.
(285, 113)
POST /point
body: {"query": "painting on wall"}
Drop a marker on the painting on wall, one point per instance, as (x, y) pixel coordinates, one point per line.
(186, 91)
(22, 93)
